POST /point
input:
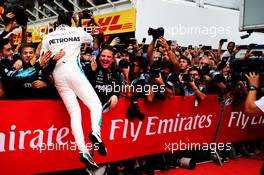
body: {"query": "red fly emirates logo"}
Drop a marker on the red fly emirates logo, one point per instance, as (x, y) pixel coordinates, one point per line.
(16, 139)
(111, 23)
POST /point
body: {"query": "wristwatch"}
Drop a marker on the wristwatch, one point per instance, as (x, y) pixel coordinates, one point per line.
(252, 88)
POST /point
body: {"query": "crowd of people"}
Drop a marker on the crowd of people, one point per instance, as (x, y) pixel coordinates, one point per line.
(132, 70)
(156, 71)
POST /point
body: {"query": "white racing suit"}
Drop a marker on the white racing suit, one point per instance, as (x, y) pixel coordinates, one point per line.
(71, 81)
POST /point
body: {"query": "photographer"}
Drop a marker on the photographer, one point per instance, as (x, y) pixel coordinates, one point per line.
(252, 53)
(84, 18)
(231, 51)
(160, 73)
(124, 55)
(87, 60)
(157, 42)
(12, 18)
(88, 14)
(137, 87)
(191, 84)
(213, 79)
(124, 65)
(184, 64)
(169, 78)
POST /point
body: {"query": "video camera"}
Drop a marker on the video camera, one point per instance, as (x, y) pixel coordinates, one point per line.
(214, 74)
(239, 68)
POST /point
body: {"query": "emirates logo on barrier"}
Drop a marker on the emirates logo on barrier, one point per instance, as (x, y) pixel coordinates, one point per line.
(34, 139)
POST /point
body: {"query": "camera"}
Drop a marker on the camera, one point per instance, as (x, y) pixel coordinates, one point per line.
(205, 70)
(216, 76)
(124, 64)
(186, 78)
(132, 41)
(190, 47)
(223, 40)
(130, 50)
(239, 68)
(86, 14)
(252, 46)
(134, 112)
(157, 44)
(156, 68)
(155, 73)
(207, 47)
(243, 47)
(156, 33)
(17, 13)
(206, 53)
(187, 163)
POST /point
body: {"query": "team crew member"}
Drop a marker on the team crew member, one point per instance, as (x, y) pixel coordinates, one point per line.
(71, 83)
(7, 73)
(104, 77)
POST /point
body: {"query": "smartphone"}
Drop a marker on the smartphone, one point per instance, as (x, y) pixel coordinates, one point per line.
(206, 53)
(120, 47)
(223, 40)
(132, 41)
(190, 47)
(207, 47)
(257, 53)
(242, 47)
(252, 46)
(144, 40)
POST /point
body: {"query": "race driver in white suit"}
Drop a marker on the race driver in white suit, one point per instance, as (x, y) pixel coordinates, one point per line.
(70, 82)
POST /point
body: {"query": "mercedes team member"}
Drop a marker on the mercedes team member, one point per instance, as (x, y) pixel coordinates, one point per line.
(8, 74)
(70, 82)
(104, 77)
